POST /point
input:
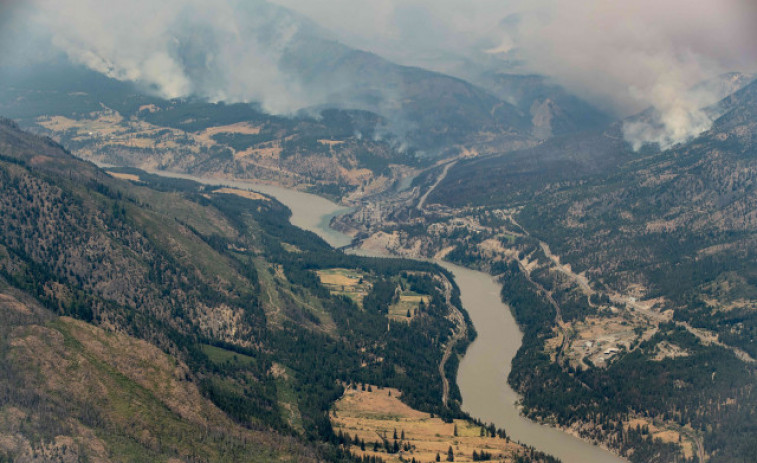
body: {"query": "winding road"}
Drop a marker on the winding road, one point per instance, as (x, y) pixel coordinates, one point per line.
(460, 332)
(439, 179)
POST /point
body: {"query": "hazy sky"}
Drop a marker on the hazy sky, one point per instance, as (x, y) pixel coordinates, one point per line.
(621, 55)
(614, 51)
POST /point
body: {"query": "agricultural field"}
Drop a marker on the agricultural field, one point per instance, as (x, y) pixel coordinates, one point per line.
(403, 304)
(346, 282)
(406, 308)
(378, 418)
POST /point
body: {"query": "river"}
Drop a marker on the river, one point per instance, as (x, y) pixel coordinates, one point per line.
(309, 212)
(482, 376)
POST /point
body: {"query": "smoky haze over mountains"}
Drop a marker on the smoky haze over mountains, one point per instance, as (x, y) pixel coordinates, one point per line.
(621, 56)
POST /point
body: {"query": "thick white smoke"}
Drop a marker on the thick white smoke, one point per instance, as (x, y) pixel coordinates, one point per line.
(636, 54)
(222, 50)
(623, 56)
(678, 113)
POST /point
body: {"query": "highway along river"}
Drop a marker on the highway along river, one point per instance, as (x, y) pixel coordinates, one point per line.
(482, 376)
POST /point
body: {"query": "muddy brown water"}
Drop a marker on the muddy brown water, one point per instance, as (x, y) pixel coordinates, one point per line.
(482, 376)
(309, 212)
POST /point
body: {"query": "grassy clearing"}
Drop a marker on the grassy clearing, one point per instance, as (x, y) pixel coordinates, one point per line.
(242, 193)
(666, 433)
(220, 356)
(269, 296)
(291, 248)
(122, 176)
(281, 300)
(346, 282)
(407, 307)
(243, 128)
(287, 397)
(374, 416)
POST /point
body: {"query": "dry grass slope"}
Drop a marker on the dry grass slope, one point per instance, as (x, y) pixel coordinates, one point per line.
(376, 415)
(93, 395)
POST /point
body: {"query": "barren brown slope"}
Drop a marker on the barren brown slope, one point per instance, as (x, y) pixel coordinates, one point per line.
(71, 391)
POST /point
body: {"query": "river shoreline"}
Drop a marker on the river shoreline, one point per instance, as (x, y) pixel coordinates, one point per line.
(483, 371)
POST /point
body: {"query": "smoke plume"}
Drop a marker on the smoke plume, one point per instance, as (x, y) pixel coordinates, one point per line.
(624, 56)
(222, 51)
(644, 53)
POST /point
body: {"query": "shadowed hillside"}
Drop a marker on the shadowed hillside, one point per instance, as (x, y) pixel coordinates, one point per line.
(215, 295)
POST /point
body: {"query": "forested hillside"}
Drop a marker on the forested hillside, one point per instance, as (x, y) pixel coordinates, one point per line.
(680, 223)
(215, 294)
(632, 273)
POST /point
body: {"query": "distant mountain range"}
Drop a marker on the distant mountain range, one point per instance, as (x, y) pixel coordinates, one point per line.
(424, 110)
(393, 119)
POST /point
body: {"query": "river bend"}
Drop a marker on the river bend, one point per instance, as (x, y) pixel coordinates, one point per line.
(482, 375)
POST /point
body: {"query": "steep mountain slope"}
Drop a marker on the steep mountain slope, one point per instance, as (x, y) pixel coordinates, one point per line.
(552, 110)
(681, 223)
(428, 109)
(219, 280)
(513, 178)
(75, 392)
(69, 226)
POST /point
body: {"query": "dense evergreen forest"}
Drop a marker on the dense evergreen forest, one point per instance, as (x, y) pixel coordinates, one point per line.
(224, 283)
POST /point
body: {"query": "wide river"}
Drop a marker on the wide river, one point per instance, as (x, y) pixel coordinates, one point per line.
(482, 376)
